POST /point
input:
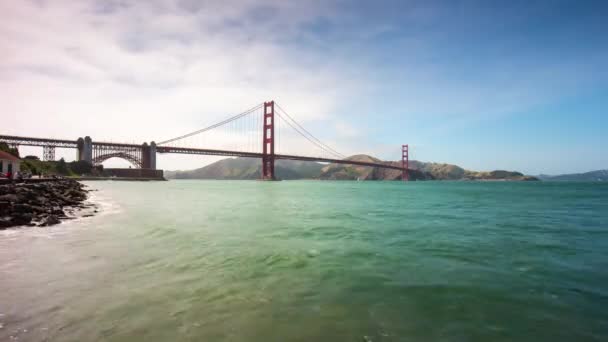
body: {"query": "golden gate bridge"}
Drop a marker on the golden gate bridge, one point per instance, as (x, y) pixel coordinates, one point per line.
(265, 131)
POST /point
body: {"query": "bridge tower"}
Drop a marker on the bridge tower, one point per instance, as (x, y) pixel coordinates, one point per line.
(148, 156)
(79, 149)
(405, 163)
(88, 149)
(85, 149)
(48, 153)
(153, 155)
(145, 156)
(268, 142)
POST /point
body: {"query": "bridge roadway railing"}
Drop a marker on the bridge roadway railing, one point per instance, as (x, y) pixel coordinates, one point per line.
(207, 152)
(383, 165)
(30, 141)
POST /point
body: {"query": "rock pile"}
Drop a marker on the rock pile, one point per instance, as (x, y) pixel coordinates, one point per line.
(40, 204)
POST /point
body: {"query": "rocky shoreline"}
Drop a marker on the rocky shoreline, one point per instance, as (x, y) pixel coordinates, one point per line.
(42, 204)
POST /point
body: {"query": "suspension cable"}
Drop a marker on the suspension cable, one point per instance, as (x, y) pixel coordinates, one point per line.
(318, 142)
(238, 116)
(319, 145)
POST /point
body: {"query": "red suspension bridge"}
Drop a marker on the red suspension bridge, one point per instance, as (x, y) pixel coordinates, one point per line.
(281, 137)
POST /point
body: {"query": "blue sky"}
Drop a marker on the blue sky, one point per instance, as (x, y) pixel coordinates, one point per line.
(517, 85)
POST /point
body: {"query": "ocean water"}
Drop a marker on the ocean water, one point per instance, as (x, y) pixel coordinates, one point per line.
(315, 261)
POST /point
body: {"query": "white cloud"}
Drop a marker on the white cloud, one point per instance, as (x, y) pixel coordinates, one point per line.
(152, 70)
(137, 71)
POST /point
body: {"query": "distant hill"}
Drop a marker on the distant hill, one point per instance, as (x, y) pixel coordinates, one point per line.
(354, 172)
(250, 168)
(418, 171)
(498, 175)
(592, 176)
(439, 170)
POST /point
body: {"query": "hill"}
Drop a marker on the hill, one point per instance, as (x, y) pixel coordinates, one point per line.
(354, 172)
(249, 168)
(418, 171)
(592, 176)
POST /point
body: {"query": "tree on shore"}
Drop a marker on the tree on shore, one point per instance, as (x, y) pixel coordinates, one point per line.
(12, 150)
(81, 167)
(62, 167)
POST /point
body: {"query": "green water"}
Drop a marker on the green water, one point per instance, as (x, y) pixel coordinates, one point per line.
(315, 261)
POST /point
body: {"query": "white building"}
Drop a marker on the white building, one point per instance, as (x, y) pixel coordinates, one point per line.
(9, 163)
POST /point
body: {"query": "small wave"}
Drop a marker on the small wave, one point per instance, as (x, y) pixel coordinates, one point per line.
(105, 204)
(313, 253)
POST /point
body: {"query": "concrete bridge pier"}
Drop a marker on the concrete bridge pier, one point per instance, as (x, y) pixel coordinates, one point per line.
(145, 156)
(79, 148)
(148, 155)
(85, 149)
(153, 155)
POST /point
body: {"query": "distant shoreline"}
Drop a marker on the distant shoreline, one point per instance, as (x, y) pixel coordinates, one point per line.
(122, 179)
(365, 180)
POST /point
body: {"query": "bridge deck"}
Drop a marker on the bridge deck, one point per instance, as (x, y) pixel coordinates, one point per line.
(31, 141)
(210, 152)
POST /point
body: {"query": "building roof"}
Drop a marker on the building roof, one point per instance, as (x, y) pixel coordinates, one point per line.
(8, 156)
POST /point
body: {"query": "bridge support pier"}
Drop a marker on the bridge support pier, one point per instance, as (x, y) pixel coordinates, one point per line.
(153, 155)
(148, 156)
(268, 142)
(85, 149)
(145, 156)
(405, 163)
(48, 153)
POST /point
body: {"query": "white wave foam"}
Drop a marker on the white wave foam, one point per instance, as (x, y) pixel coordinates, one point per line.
(103, 204)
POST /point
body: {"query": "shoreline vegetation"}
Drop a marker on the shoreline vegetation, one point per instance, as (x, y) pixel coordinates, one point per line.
(43, 203)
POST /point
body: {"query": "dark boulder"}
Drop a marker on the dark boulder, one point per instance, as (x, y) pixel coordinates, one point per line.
(57, 211)
(50, 220)
(21, 219)
(39, 210)
(5, 207)
(9, 198)
(22, 208)
(5, 222)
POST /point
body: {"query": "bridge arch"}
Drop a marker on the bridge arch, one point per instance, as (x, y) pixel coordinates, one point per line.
(134, 160)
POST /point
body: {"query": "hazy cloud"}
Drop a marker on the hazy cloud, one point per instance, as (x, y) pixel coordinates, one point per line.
(149, 70)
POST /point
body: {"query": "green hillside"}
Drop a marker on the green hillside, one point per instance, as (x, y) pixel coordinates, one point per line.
(250, 168)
